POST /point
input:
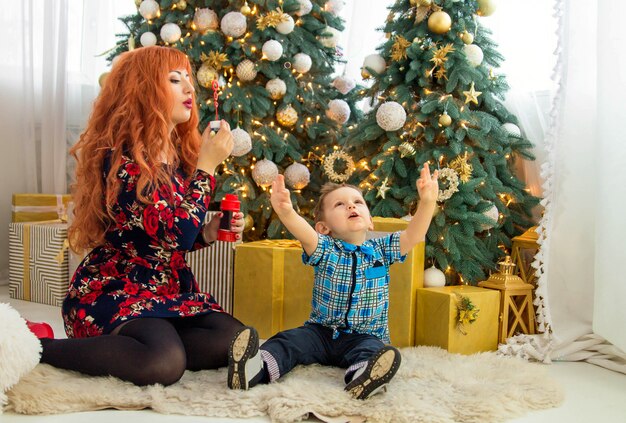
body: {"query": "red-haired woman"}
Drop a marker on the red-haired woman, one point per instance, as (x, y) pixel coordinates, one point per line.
(144, 180)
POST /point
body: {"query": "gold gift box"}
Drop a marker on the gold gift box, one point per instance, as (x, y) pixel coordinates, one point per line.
(39, 207)
(437, 319)
(273, 288)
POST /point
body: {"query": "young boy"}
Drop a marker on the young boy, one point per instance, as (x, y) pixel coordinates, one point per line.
(348, 326)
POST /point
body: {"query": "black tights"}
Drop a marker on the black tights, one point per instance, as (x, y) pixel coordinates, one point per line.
(148, 350)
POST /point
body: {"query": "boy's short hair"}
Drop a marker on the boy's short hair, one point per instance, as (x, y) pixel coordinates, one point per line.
(327, 188)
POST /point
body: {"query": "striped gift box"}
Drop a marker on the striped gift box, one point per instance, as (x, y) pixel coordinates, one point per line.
(38, 261)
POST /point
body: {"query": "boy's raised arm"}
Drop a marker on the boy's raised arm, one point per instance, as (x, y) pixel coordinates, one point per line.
(299, 228)
(428, 190)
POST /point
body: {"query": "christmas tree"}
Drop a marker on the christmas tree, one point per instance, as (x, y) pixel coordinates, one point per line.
(437, 99)
(272, 62)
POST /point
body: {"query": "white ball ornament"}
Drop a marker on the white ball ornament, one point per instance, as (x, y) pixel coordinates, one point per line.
(286, 25)
(474, 54)
(205, 20)
(339, 111)
(511, 129)
(305, 7)
(264, 172)
(302, 62)
(272, 50)
(277, 88)
(330, 37)
(170, 33)
(297, 176)
(287, 116)
(434, 277)
(246, 70)
(148, 39)
(391, 116)
(334, 6)
(234, 24)
(493, 214)
(375, 62)
(242, 142)
(149, 9)
(344, 84)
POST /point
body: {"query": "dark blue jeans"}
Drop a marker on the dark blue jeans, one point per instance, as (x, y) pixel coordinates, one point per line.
(313, 343)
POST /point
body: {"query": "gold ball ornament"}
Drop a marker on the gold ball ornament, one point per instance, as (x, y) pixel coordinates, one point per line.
(486, 7)
(287, 116)
(206, 74)
(467, 37)
(445, 120)
(249, 223)
(245, 9)
(182, 5)
(138, 2)
(439, 22)
(365, 74)
(103, 79)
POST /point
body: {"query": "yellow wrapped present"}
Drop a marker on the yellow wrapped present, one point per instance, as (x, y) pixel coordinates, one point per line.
(39, 207)
(461, 319)
(38, 261)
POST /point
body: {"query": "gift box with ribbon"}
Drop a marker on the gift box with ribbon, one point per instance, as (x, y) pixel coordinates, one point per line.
(39, 207)
(38, 261)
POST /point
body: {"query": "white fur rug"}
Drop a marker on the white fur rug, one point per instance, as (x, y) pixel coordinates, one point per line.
(431, 386)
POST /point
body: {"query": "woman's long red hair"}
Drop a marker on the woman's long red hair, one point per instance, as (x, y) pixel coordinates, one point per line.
(130, 116)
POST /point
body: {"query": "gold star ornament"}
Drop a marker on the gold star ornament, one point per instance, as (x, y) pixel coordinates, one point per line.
(383, 188)
(472, 95)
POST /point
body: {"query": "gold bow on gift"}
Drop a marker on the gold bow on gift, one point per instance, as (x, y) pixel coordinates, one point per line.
(467, 312)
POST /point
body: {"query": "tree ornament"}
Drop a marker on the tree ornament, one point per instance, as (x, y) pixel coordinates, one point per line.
(302, 62)
(205, 20)
(234, 24)
(329, 166)
(297, 175)
(286, 25)
(334, 6)
(338, 111)
(272, 50)
(467, 37)
(511, 129)
(170, 33)
(473, 54)
(181, 5)
(344, 84)
(383, 188)
(486, 7)
(138, 2)
(434, 277)
(451, 178)
(391, 116)
(439, 22)
(472, 95)
(246, 70)
(462, 167)
(277, 88)
(375, 62)
(406, 149)
(245, 9)
(445, 119)
(206, 75)
(287, 116)
(149, 9)
(242, 142)
(329, 37)
(493, 214)
(248, 223)
(264, 172)
(148, 39)
(305, 7)
(398, 49)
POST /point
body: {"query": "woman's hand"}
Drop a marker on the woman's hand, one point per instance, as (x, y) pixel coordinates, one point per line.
(215, 148)
(209, 231)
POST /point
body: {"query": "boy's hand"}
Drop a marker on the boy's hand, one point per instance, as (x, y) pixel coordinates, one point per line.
(280, 197)
(428, 185)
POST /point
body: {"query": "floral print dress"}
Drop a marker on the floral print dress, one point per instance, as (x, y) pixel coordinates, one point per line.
(141, 271)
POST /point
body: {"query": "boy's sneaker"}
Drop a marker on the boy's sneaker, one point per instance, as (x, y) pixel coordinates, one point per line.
(244, 360)
(373, 377)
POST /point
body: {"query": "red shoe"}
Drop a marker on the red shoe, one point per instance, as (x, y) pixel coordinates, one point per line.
(40, 329)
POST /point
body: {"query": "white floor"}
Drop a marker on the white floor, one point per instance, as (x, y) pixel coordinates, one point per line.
(591, 393)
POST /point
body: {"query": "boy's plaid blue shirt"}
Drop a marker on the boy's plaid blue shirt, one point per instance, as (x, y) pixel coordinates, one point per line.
(338, 265)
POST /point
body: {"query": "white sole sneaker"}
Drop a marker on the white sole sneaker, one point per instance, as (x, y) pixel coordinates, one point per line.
(380, 369)
(244, 361)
